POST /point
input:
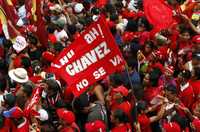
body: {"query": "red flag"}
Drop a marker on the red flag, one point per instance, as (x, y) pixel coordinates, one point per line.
(92, 57)
(158, 13)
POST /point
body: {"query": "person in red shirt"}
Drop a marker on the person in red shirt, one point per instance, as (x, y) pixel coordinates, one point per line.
(19, 122)
(144, 121)
(120, 121)
(67, 121)
(185, 89)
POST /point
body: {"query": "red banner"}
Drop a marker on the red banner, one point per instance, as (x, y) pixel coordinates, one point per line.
(158, 13)
(91, 57)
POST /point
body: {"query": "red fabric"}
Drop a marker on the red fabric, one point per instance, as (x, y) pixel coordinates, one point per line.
(66, 115)
(188, 92)
(128, 36)
(95, 126)
(48, 56)
(158, 13)
(151, 92)
(196, 39)
(52, 38)
(71, 128)
(171, 127)
(36, 79)
(23, 127)
(124, 106)
(1, 30)
(144, 123)
(128, 14)
(196, 88)
(121, 89)
(196, 124)
(122, 128)
(7, 125)
(78, 52)
(101, 3)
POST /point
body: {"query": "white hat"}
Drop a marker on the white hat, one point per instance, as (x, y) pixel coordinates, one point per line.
(19, 75)
(56, 7)
(78, 8)
(19, 44)
(43, 115)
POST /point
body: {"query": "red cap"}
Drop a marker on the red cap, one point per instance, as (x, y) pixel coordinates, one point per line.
(95, 126)
(66, 115)
(170, 69)
(122, 90)
(196, 39)
(171, 127)
(48, 56)
(196, 124)
(52, 38)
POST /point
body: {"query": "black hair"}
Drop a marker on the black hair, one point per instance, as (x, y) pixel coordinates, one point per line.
(131, 26)
(132, 63)
(58, 46)
(80, 102)
(145, 22)
(171, 88)
(32, 38)
(121, 116)
(116, 79)
(72, 29)
(28, 88)
(141, 106)
(51, 28)
(26, 62)
(52, 85)
(182, 121)
(186, 74)
(154, 76)
(197, 72)
(138, 91)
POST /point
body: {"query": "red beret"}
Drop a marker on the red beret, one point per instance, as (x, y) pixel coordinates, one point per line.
(66, 115)
(48, 56)
(196, 39)
(95, 126)
(171, 127)
(122, 90)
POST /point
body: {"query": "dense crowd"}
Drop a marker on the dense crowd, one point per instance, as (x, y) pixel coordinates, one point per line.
(158, 90)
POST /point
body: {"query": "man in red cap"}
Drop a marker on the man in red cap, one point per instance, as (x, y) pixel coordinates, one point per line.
(67, 120)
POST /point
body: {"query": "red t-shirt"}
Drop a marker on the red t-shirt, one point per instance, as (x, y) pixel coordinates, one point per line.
(23, 127)
(196, 88)
(122, 128)
(144, 123)
(187, 96)
(71, 128)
